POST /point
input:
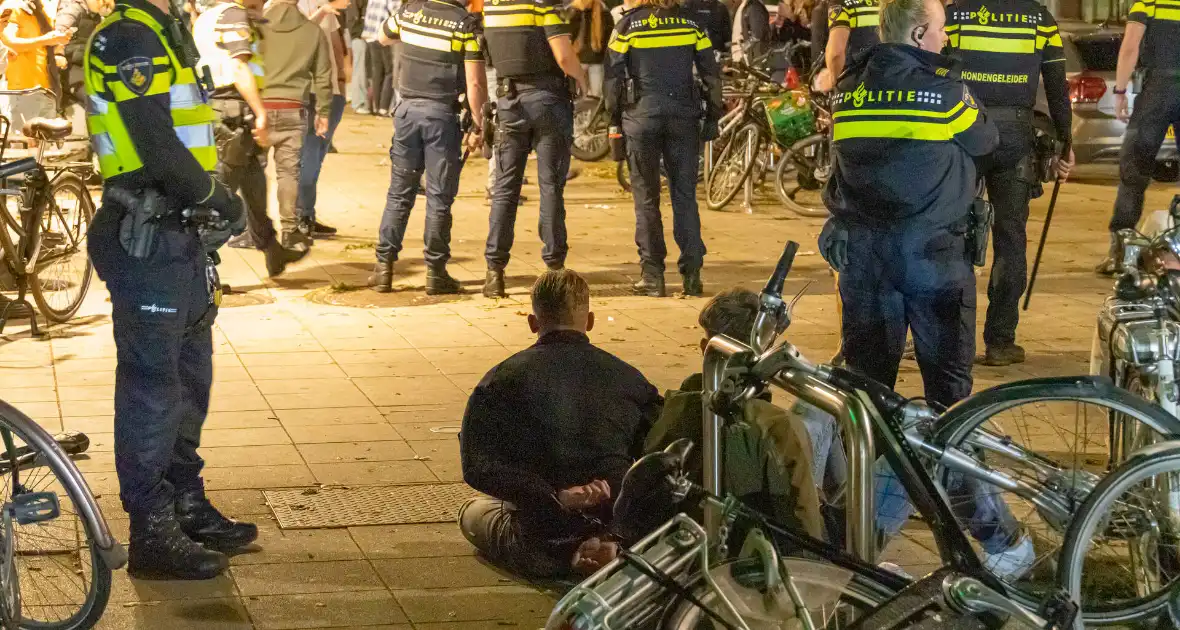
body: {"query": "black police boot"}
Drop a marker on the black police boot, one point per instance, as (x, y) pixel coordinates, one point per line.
(651, 283)
(999, 356)
(692, 283)
(278, 257)
(493, 284)
(439, 282)
(202, 522)
(1110, 265)
(160, 550)
(381, 279)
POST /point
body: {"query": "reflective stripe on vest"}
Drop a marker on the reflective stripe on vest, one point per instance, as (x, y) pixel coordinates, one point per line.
(220, 64)
(192, 117)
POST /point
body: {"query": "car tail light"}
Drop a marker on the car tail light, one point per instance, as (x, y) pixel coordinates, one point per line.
(1085, 89)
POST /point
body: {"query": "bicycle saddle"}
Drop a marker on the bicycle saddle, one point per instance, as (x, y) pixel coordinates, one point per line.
(47, 128)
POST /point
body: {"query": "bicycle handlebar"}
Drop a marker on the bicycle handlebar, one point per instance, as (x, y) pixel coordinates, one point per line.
(774, 285)
(26, 92)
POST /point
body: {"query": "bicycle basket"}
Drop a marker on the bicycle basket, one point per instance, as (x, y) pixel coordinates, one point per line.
(791, 117)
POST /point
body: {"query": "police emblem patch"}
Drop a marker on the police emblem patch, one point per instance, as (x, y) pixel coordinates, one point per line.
(968, 99)
(137, 74)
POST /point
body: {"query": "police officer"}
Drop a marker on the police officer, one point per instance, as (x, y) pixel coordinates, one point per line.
(230, 47)
(713, 18)
(1151, 40)
(440, 58)
(152, 129)
(1006, 46)
(650, 88)
(906, 132)
(852, 29)
(529, 44)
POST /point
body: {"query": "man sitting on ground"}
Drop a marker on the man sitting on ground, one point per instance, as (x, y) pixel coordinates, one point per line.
(549, 434)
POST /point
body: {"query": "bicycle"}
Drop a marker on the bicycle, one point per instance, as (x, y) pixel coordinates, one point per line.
(56, 551)
(809, 160)
(47, 214)
(590, 130)
(986, 440)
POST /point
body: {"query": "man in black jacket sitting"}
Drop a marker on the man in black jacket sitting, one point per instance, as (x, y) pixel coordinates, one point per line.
(549, 434)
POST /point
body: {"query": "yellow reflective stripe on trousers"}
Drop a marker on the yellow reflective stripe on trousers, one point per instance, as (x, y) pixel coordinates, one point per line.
(904, 129)
(996, 44)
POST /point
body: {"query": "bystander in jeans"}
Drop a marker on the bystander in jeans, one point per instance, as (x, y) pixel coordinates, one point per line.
(358, 86)
(315, 145)
(296, 74)
(380, 58)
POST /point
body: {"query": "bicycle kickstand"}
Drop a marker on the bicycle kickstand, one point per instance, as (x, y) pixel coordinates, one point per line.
(22, 287)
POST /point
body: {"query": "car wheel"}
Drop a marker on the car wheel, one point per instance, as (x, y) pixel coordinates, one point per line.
(1166, 171)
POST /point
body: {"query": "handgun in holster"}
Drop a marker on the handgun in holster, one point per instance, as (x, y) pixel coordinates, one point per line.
(140, 222)
(506, 88)
(979, 227)
(489, 128)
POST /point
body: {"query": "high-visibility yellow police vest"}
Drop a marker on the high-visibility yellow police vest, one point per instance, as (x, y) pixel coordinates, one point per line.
(192, 117)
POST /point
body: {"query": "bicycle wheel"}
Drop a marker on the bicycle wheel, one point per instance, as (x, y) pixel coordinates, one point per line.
(63, 270)
(590, 139)
(1053, 436)
(733, 167)
(62, 580)
(834, 597)
(795, 181)
(1130, 520)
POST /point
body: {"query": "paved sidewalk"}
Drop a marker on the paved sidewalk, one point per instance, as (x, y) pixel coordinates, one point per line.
(320, 383)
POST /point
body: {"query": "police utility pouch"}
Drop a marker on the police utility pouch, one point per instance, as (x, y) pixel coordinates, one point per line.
(618, 143)
(979, 227)
(489, 128)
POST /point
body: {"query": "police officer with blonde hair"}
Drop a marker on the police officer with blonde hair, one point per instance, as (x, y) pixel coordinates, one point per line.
(651, 90)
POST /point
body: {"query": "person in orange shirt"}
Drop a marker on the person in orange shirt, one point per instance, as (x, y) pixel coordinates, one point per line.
(30, 38)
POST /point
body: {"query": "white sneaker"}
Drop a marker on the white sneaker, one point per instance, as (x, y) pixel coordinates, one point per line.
(894, 569)
(362, 110)
(1013, 563)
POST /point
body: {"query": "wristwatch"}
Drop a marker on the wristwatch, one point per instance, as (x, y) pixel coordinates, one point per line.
(1118, 91)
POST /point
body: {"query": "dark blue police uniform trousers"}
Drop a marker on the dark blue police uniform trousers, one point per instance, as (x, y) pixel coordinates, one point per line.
(916, 278)
(543, 121)
(677, 140)
(426, 137)
(1156, 107)
(1008, 189)
(162, 325)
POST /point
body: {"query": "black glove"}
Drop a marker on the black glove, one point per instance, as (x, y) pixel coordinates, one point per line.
(228, 206)
(833, 244)
(709, 130)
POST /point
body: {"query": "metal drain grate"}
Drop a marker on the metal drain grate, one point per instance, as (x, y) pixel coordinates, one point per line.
(313, 508)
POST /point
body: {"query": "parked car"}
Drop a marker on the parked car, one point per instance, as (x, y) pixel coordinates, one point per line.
(1090, 60)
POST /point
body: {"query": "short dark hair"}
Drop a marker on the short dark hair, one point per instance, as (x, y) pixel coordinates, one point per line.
(730, 313)
(559, 295)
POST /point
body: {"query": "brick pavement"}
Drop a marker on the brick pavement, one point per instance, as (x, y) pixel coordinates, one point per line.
(320, 383)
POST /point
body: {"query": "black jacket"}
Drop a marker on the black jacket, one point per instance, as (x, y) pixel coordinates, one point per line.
(714, 18)
(657, 49)
(905, 132)
(558, 414)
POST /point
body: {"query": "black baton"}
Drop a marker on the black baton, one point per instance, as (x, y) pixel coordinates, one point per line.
(1032, 278)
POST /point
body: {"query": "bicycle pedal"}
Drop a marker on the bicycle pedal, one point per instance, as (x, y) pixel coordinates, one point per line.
(35, 507)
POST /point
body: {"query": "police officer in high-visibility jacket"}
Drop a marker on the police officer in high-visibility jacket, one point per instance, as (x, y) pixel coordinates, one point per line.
(230, 47)
(1006, 46)
(152, 129)
(906, 131)
(651, 90)
(852, 29)
(529, 46)
(1151, 40)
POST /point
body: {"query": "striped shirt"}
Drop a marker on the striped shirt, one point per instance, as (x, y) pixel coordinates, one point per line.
(376, 14)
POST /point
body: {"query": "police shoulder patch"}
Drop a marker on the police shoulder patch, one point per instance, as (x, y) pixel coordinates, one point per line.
(137, 73)
(968, 99)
